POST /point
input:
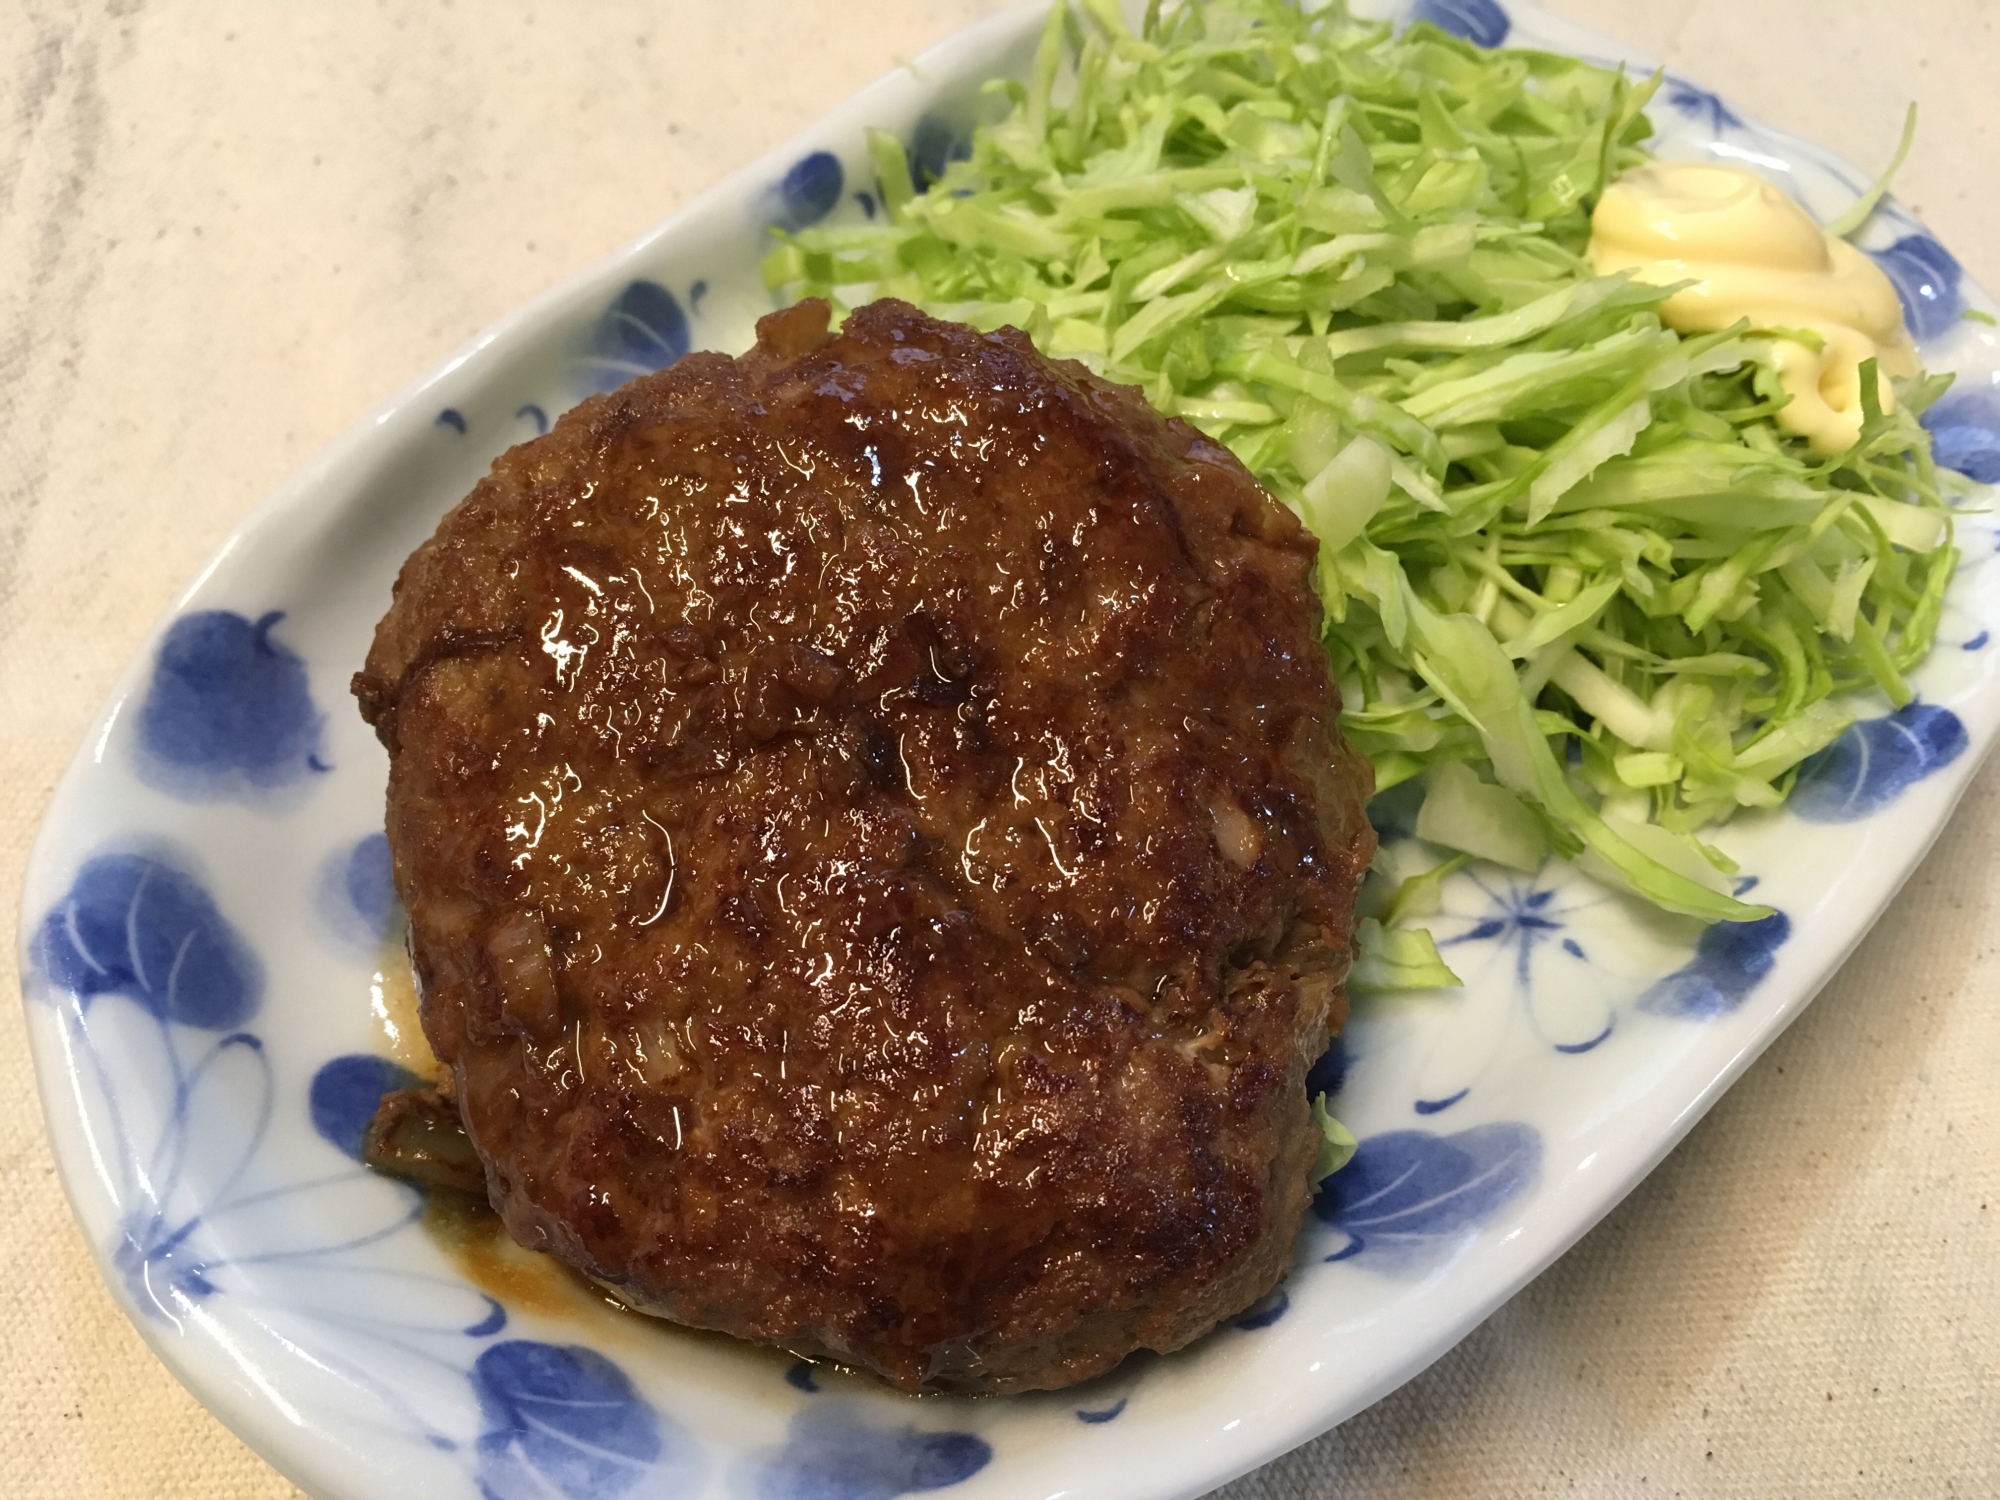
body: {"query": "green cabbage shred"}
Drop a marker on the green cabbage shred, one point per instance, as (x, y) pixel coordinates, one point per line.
(1393, 958)
(1337, 1144)
(1573, 572)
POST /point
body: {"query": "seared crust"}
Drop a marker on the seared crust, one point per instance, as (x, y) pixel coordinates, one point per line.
(879, 858)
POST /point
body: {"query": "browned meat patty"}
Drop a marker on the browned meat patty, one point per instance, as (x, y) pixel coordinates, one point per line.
(879, 857)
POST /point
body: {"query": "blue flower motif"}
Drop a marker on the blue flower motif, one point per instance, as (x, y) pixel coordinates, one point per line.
(354, 896)
(178, 1119)
(344, 1095)
(157, 1253)
(1393, 814)
(1481, 22)
(1874, 760)
(164, 1269)
(810, 190)
(1926, 278)
(1522, 918)
(799, 1376)
(1555, 989)
(368, 881)
(563, 1421)
(935, 144)
(1330, 1072)
(228, 712)
(1697, 103)
(1965, 432)
(1730, 960)
(642, 331)
(1264, 1312)
(832, 1453)
(1408, 1196)
(134, 925)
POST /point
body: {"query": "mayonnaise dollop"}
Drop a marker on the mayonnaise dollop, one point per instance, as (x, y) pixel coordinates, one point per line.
(1754, 253)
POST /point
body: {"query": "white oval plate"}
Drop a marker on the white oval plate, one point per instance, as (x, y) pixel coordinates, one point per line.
(206, 916)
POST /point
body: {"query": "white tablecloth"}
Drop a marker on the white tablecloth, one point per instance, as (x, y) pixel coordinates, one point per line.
(228, 229)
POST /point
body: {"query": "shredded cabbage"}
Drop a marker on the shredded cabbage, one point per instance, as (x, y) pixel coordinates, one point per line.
(1393, 958)
(1337, 1144)
(1573, 572)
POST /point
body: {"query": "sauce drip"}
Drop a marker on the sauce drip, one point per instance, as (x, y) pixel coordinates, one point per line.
(475, 1241)
(472, 1236)
(392, 1001)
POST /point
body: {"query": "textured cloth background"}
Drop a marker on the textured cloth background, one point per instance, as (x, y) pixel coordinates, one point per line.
(227, 230)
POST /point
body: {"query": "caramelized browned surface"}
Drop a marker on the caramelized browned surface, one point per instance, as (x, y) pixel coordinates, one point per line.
(878, 856)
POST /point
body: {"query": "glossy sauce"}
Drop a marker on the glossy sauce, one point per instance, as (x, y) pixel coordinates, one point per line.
(471, 1235)
(392, 1001)
(1754, 253)
(868, 827)
(475, 1241)
(466, 1228)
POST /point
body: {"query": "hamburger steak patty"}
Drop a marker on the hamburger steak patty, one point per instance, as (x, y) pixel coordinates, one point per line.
(879, 856)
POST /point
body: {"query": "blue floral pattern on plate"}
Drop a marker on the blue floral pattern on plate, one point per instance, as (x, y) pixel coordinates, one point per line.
(1926, 277)
(1481, 22)
(1513, 938)
(810, 190)
(643, 330)
(1409, 1197)
(229, 712)
(556, 1420)
(1874, 761)
(368, 881)
(345, 1093)
(562, 1420)
(937, 142)
(143, 929)
(834, 1452)
(140, 926)
(1965, 432)
(1696, 103)
(1730, 959)
(213, 1164)
(1264, 1312)
(356, 893)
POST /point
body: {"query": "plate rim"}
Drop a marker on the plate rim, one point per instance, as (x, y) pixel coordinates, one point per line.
(469, 367)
